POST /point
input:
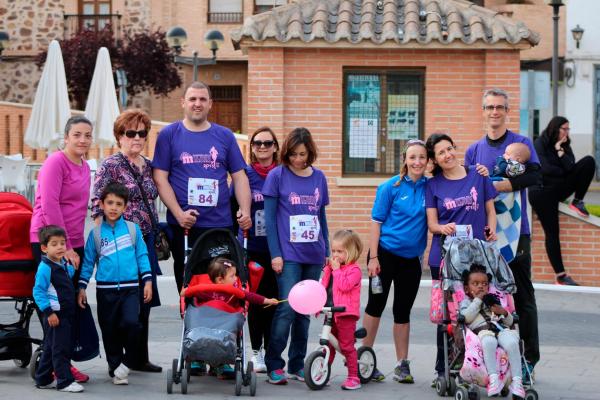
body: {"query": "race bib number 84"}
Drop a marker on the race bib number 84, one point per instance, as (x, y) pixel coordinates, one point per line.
(203, 192)
(304, 228)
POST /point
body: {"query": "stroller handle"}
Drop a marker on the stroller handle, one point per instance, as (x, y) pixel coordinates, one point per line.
(334, 309)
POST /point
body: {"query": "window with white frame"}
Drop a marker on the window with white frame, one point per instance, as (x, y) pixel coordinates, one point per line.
(383, 109)
(225, 11)
(261, 6)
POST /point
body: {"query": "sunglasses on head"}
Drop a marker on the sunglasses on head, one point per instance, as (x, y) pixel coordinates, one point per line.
(260, 143)
(131, 133)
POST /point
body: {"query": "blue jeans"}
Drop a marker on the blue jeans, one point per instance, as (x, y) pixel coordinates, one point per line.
(286, 318)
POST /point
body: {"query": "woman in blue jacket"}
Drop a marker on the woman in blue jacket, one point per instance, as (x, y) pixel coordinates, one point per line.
(397, 241)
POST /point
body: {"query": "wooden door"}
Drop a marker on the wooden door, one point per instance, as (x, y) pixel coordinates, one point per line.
(227, 107)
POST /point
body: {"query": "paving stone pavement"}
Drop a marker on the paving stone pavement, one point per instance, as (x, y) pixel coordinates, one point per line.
(569, 369)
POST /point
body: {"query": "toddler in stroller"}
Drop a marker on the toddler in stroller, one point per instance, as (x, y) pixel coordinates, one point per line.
(214, 305)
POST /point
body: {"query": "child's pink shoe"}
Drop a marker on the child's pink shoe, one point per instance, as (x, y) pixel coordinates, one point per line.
(352, 383)
(516, 387)
(494, 387)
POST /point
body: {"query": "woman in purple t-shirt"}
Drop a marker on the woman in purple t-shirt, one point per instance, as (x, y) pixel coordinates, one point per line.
(459, 202)
(295, 196)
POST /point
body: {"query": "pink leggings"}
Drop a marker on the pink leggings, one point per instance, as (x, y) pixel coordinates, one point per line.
(343, 329)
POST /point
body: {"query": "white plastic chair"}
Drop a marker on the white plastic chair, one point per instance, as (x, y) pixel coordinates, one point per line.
(14, 174)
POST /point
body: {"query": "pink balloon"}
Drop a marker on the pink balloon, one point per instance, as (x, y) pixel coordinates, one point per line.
(307, 297)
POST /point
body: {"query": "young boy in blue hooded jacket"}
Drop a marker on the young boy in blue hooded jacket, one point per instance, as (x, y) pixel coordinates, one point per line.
(122, 260)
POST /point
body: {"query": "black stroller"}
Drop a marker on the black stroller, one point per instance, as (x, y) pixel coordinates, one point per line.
(213, 331)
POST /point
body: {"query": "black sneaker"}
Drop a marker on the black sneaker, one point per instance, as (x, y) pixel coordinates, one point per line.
(566, 280)
(579, 207)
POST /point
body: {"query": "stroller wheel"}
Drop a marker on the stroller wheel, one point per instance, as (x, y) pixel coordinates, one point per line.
(317, 370)
(34, 362)
(169, 381)
(239, 378)
(474, 394)
(504, 392)
(441, 386)
(175, 369)
(461, 394)
(531, 394)
(184, 380)
(367, 364)
(252, 379)
(452, 386)
(23, 361)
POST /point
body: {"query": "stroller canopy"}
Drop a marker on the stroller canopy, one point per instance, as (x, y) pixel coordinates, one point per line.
(460, 254)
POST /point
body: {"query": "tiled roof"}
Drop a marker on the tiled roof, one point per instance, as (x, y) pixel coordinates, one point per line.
(405, 23)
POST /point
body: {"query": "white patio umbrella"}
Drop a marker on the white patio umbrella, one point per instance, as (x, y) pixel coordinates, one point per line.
(102, 107)
(51, 108)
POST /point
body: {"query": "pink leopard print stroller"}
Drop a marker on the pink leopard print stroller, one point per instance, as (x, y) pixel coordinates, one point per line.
(463, 354)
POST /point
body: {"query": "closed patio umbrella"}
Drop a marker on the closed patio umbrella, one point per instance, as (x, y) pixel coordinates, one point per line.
(51, 108)
(102, 107)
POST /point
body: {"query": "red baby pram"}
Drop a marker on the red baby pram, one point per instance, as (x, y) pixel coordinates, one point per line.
(17, 276)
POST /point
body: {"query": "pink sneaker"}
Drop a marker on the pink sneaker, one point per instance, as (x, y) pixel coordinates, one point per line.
(494, 387)
(79, 376)
(516, 387)
(351, 384)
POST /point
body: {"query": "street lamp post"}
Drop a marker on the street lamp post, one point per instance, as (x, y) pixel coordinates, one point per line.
(555, 4)
(177, 37)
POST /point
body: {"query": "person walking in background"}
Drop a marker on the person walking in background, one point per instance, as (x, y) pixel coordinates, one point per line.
(397, 241)
(130, 168)
(263, 158)
(295, 195)
(483, 155)
(562, 177)
(460, 203)
(62, 197)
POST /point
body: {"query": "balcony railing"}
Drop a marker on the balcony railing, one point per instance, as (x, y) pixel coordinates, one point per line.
(75, 23)
(225, 17)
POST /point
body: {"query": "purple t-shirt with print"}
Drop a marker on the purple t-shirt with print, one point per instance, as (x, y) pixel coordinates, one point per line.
(461, 201)
(298, 198)
(481, 152)
(257, 236)
(209, 155)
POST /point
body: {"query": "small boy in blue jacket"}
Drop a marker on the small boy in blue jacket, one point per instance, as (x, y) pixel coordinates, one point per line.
(54, 294)
(118, 250)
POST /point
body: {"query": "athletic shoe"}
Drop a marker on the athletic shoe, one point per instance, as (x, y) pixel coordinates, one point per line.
(223, 371)
(351, 384)
(258, 360)
(377, 376)
(402, 372)
(121, 372)
(51, 385)
(74, 387)
(120, 381)
(197, 368)
(277, 377)
(566, 280)
(516, 387)
(298, 375)
(579, 207)
(494, 387)
(79, 376)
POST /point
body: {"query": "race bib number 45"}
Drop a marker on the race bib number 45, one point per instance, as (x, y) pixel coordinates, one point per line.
(203, 192)
(304, 228)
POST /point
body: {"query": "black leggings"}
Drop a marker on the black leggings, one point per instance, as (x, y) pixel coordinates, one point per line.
(545, 203)
(260, 318)
(406, 275)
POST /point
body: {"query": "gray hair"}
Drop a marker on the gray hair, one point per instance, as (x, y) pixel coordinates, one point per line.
(78, 119)
(495, 92)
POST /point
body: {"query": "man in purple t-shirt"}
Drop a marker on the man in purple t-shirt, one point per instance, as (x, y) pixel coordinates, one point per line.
(191, 161)
(483, 154)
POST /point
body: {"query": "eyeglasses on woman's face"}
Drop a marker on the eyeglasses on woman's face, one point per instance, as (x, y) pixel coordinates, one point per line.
(130, 133)
(260, 143)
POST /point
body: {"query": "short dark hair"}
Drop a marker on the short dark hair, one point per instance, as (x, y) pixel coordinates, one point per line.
(296, 137)
(475, 269)
(197, 85)
(48, 232)
(78, 119)
(116, 189)
(432, 140)
(256, 132)
(218, 268)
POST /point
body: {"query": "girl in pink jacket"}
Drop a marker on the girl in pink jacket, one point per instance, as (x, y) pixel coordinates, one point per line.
(342, 280)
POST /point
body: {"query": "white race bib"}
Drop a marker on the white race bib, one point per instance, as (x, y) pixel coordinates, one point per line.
(304, 228)
(464, 232)
(203, 192)
(260, 227)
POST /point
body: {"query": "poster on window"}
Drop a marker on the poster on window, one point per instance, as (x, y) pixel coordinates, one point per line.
(363, 96)
(403, 117)
(363, 138)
